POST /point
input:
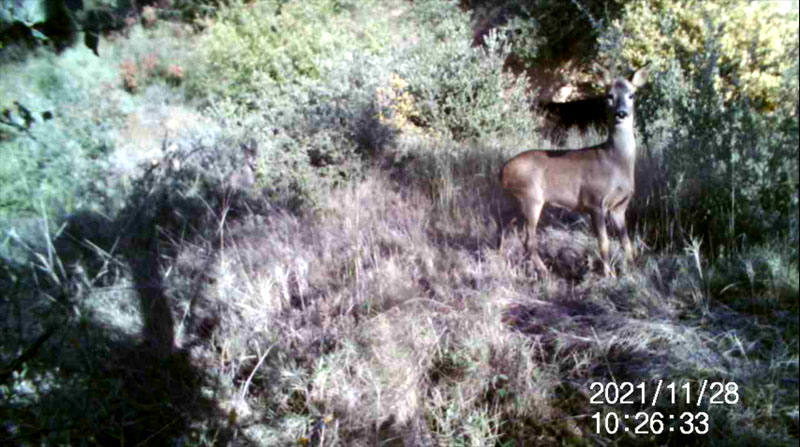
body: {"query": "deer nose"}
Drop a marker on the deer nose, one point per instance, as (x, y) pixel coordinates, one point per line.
(621, 114)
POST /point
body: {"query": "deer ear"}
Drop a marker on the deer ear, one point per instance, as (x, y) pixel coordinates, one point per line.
(605, 75)
(639, 77)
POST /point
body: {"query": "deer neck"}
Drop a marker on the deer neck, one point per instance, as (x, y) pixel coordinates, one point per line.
(622, 144)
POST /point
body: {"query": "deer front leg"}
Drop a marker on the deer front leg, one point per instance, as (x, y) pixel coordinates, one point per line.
(618, 219)
(599, 224)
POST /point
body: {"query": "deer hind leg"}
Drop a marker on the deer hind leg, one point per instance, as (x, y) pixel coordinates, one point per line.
(532, 208)
(599, 224)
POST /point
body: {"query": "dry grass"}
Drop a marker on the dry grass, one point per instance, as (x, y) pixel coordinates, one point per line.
(397, 311)
(401, 312)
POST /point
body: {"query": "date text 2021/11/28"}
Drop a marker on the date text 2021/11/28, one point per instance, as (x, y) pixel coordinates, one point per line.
(626, 393)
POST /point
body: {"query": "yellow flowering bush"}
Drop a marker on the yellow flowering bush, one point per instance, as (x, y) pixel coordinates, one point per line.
(754, 41)
(719, 119)
(396, 106)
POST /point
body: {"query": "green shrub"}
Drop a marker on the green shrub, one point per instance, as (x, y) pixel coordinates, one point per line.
(264, 45)
(62, 116)
(55, 159)
(195, 10)
(719, 168)
(317, 97)
(294, 77)
(461, 91)
(313, 134)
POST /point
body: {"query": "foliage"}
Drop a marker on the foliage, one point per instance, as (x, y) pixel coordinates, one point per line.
(28, 13)
(263, 67)
(396, 106)
(196, 10)
(728, 172)
(754, 40)
(458, 90)
(56, 160)
(310, 136)
(317, 101)
(289, 76)
(138, 72)
(265, 45)
(546, 31)
(63, 117)
(149, 16)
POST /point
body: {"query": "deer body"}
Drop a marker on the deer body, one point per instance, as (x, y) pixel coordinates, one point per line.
(598, 180)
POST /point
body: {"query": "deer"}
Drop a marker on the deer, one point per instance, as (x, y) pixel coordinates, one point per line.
(598, 180)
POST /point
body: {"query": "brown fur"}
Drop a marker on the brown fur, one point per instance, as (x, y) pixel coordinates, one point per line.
(597, 179)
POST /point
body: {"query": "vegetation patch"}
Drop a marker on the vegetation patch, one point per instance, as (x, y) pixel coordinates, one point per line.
(280, 224)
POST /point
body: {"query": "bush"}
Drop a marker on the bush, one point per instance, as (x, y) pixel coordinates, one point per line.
(316, 112)
(62, 116)
(292, 77)
(754, 43)
(197, 10)
(720, 167)
(264, 45)
(461, 91)
(54, 159)
(312, 135)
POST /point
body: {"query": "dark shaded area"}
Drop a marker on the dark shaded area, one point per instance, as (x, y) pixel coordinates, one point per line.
(116, 389)
(142, 389)
(562, 29)
(59, 27)
(65, 19)
(582, 114)
(19, 37)
(115, 392)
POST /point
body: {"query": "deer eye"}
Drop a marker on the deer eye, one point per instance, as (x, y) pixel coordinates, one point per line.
(610, 97)
(630, 96)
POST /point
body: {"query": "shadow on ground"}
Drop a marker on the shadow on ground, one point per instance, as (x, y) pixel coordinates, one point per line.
(92, 384)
